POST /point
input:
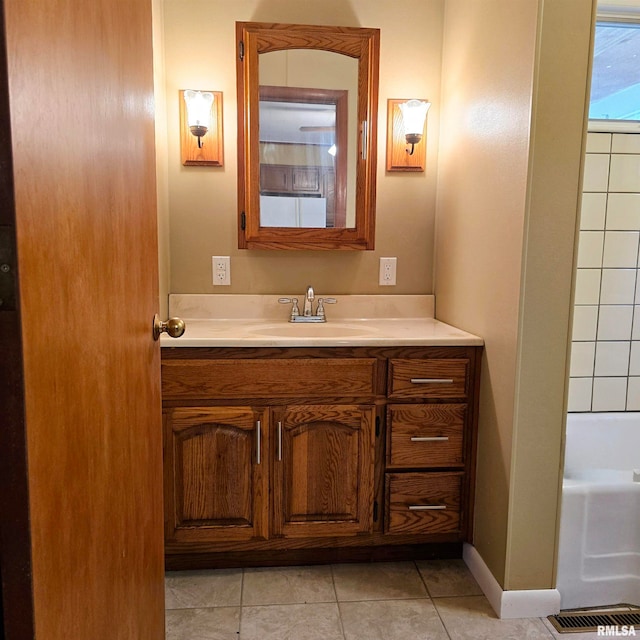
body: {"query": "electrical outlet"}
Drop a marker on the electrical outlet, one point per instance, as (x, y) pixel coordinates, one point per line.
(387, 271)
(221, 270)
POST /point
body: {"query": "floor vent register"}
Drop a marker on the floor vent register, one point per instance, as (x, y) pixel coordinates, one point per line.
(612, 620)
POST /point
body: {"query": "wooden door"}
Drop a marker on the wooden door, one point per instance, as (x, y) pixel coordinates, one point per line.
(323, 473)
(216, 474)
(81, 494)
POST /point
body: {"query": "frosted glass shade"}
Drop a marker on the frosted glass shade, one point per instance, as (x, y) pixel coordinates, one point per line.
(414, 113)
(198, 111)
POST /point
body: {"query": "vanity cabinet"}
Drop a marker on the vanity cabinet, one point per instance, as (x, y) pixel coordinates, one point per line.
(301, 454)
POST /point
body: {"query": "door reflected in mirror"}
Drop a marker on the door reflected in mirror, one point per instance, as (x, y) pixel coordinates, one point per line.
(307, 106)
(308, 131)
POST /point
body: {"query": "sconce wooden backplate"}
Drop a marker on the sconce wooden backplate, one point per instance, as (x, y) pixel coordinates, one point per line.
(212, 151)
(398, 158)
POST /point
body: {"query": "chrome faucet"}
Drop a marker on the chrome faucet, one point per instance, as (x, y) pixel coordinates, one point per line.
(309, 297)
(307, 310)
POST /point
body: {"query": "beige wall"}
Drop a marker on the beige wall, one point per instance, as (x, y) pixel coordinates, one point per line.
(508, 194)
(199, 41)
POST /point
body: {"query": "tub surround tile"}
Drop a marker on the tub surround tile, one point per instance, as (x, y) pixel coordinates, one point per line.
(598, 142)
(391, 620)
(590, 249)
(596, 172)
(609, 394)
(625, 173)
(222, 623)
(448, 578)
(288, 585)
(618, 286)
(580, 394)
(635, 331)
(634, 360)
(319, 621)
(633, 394)
(614, 322)
(625, 143)
(612, 358)
(623, 211)
(199, 589)
(588, 286)
(620, 249)
(585, 322)
(582, 359)
(378, 581)
(593, 210)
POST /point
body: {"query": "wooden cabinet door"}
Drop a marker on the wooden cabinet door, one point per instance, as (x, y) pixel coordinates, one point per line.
(216, 481)
(323, 470)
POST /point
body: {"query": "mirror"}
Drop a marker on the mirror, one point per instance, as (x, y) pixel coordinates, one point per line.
(307, 108)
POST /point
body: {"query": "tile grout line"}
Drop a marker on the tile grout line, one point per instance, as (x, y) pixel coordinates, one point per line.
(335, 593)
(431, 599)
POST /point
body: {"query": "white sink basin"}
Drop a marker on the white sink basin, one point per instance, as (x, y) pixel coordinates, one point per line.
(312, 330)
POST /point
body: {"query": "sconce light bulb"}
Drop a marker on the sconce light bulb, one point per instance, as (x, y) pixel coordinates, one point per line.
(414, 114)
(198, 112)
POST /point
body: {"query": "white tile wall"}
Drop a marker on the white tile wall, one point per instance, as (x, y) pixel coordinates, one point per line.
(624, 173)
(594, 207)
(596, 172)
(605, 354)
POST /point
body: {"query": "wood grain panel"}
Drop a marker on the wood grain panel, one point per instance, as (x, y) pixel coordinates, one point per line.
(85, 201)
(267, 378)
(217, 489)
(405, 422)
(449, 378)
(423, 489)
(324, 481)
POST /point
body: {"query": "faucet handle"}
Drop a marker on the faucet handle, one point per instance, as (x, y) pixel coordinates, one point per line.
(321, 302)
(295, 311)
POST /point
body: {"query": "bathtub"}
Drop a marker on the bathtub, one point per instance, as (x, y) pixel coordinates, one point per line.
(599, 548)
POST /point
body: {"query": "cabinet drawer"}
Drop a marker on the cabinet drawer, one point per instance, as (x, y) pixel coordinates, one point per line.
(268, 378)
(432, 378)
(423, 502)
(425, 435)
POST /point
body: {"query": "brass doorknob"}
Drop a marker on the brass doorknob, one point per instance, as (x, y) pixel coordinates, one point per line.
(173, 326)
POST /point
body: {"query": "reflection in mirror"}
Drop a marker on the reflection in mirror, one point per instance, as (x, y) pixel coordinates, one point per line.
(303, 147)
(307, 110)
(308, 131)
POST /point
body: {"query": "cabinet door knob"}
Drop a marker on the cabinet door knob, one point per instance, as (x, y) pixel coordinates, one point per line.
(173, 326)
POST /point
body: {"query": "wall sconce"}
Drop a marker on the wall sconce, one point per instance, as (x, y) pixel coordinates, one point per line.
(406, 128)
(201, 140)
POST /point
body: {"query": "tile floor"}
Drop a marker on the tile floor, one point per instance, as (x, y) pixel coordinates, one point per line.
(425, 600)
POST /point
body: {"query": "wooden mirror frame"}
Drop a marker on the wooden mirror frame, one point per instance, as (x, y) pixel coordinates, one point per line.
(254, 38)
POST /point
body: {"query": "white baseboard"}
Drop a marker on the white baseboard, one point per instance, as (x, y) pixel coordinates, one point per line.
(525, 603)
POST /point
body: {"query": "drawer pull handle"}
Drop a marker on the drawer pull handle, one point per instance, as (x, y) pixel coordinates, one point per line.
(429, 438)
(258, 441)
(427, 507)
(431, 381)
(279, 440)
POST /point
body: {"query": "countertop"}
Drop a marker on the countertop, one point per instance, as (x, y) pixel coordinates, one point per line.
(258, 321)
